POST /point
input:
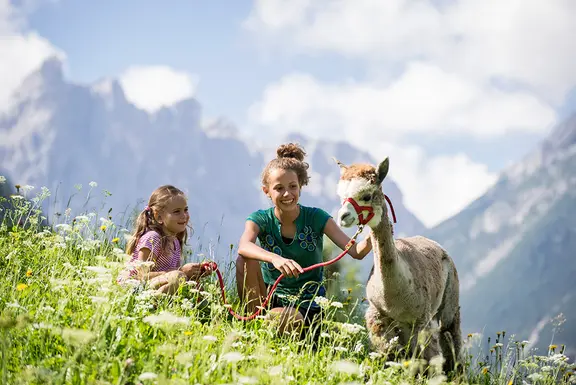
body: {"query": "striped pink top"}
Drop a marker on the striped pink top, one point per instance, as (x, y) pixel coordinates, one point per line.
(164, 260)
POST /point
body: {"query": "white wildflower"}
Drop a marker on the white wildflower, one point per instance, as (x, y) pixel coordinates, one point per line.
(166, 318)
(97, 269)
(344, 366)
(323, 302)
(2, 179)
(64, 227)
(15, 305)
(558, 358)
(41, 325)
(358, 347)
(106, 222)
(393, 364)
(185, 358)
(340, 349)
(351, 328)
(96, 299)
(67, 212)
(337, 305)
(374, 355)
(82, 218)
(27, 188)
(535, 377)
(232, 357)
(275, 370)
(166, 349)
(247, 380)
(324, 335)
(77, 336)
(147, 376)
(92, 184)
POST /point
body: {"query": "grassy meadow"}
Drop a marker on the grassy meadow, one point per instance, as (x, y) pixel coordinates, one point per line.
(64, 320)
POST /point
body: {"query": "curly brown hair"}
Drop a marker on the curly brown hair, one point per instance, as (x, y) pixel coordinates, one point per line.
(146, 220)
(289, 156)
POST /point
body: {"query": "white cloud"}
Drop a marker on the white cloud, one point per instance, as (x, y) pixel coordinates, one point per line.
(372, 119)
(478, 68)
(525, 41)
(423, 99)
(154, 87)
(435, 188)
(22, 51)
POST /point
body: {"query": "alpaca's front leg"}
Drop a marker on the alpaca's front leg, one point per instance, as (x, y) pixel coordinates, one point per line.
(381, 330)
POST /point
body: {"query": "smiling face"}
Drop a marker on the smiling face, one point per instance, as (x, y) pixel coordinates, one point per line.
(283, 189)
(174, 217)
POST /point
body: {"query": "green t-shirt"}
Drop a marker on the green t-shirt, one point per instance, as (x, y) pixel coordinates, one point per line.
(305, 249)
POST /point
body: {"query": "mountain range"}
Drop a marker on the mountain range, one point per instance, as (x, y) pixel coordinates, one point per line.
(61, 134)
(514, 246)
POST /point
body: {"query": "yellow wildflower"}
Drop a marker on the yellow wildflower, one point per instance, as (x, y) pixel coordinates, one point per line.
(103, 227)
(553, 347)
(21, 286)
(510, 382)
(188, 333)
(406, 364)
(470, 335)
(116, 240)
(485, 370)
(29, 273)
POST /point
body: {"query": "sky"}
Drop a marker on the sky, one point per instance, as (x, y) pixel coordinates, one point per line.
(453, 91)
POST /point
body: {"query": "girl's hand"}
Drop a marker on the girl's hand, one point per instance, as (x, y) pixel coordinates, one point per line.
(192, 270)
(288, 267)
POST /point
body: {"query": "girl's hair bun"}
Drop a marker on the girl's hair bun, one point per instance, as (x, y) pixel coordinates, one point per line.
(291, 150)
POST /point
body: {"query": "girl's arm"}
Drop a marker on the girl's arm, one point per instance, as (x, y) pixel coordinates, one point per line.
(143, 255)
(248, 248)
(358, 250)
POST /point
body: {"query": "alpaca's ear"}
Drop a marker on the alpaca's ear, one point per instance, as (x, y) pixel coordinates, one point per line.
(340, 164)
(383, 170)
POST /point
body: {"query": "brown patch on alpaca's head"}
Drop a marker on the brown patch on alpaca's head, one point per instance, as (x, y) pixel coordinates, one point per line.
(360, 170)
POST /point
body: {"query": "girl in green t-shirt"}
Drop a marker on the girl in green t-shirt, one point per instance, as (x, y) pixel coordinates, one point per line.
(290, 237)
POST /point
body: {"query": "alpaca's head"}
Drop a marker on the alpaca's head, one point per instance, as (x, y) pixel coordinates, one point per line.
(363, 184)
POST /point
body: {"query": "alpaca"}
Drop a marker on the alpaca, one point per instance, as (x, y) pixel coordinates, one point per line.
(413, 287)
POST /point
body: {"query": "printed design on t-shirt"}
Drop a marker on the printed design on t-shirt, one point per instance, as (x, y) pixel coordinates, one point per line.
(308, 239)
(271, 246)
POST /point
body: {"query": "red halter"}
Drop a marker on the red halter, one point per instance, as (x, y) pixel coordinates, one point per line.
(359, 210)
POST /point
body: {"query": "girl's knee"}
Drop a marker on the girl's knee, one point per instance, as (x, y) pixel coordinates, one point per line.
(246, 264)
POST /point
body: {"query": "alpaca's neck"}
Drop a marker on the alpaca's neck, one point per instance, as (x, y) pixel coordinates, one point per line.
(394, 274)
(385, 252)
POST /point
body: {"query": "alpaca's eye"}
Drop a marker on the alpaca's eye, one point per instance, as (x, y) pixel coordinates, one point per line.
(366, 197)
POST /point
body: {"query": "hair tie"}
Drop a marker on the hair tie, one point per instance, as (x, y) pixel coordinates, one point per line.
(147, 208)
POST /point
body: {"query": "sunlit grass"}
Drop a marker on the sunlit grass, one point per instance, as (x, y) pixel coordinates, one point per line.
(64, 320)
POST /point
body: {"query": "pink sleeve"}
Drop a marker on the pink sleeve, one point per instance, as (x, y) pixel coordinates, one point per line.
(152, 241)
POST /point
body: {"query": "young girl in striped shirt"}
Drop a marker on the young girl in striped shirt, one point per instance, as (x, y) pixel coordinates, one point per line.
(160, 233)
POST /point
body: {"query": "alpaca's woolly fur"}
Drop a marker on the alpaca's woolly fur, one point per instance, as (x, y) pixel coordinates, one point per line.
(413, 288)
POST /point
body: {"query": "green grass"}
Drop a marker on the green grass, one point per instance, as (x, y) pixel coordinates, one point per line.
(64, 320)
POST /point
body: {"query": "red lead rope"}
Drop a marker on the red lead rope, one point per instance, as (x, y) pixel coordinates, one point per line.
(212, 266)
